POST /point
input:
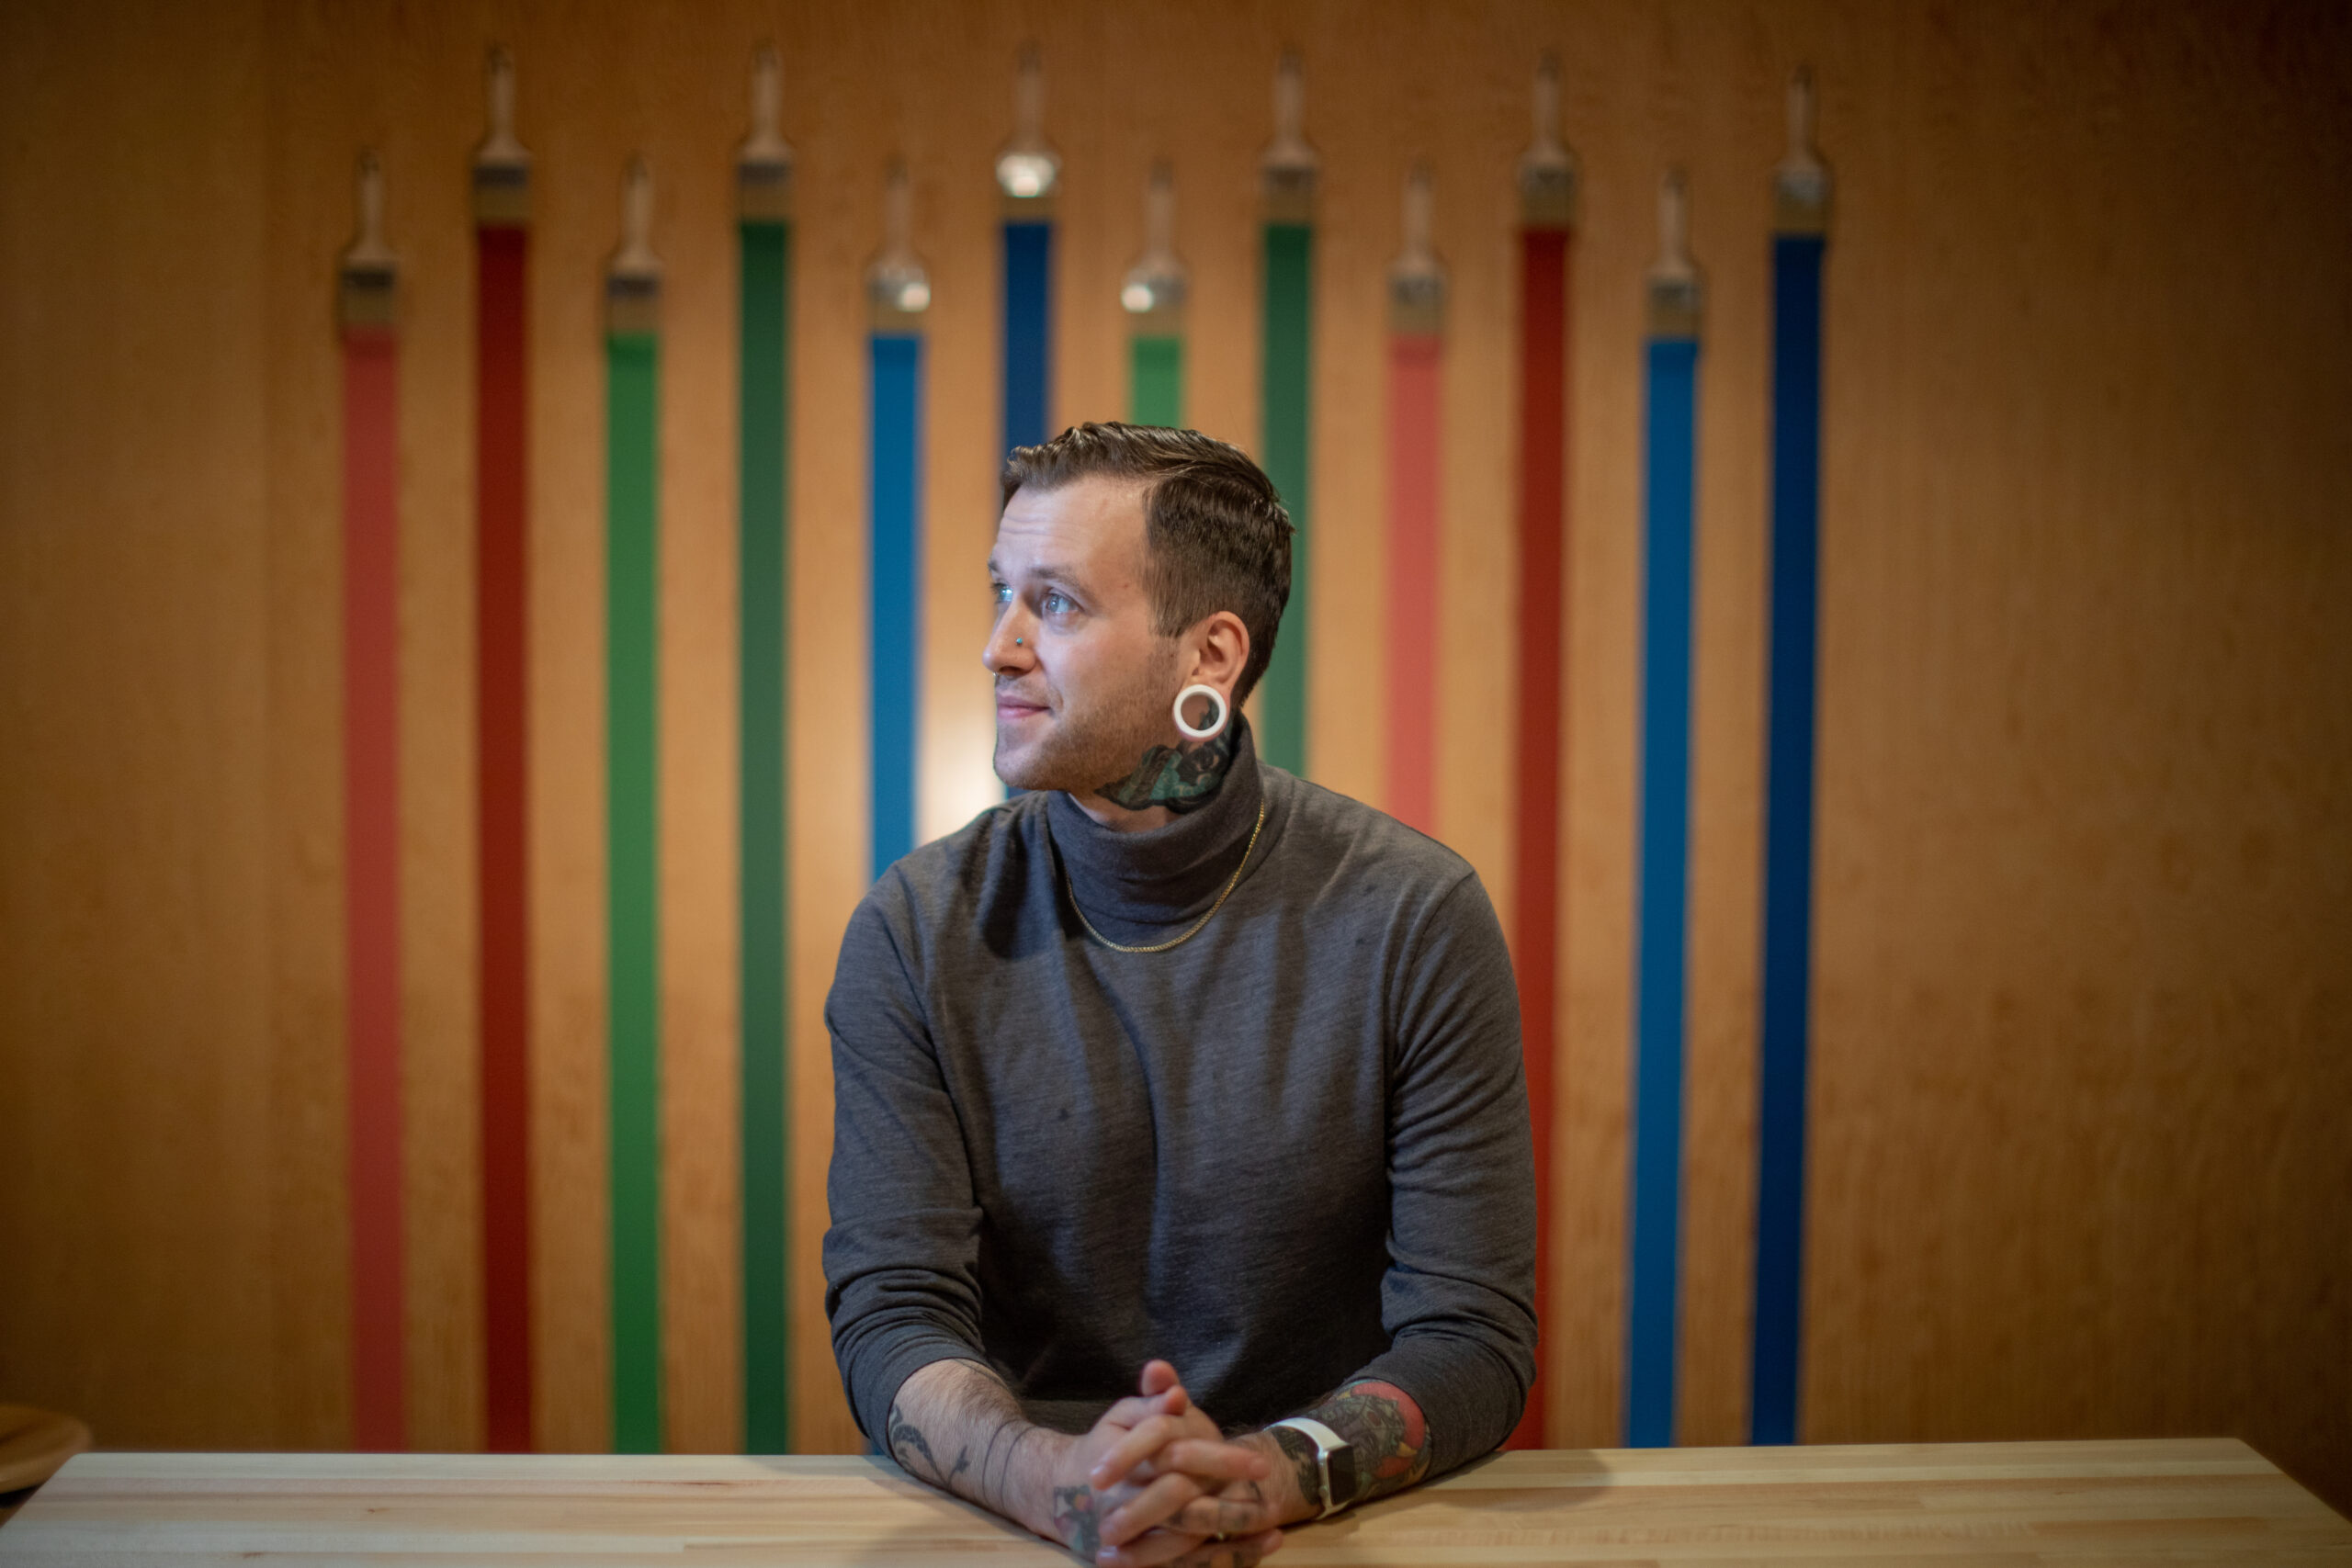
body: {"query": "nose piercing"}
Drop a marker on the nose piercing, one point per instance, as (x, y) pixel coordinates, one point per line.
(1016, 642)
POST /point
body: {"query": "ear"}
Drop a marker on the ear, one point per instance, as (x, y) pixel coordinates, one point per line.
(1219, 649)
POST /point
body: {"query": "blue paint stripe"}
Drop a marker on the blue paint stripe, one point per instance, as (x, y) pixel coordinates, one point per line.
(1028, 331)
(1653, 1295)
(896, 620)
(1788, 836)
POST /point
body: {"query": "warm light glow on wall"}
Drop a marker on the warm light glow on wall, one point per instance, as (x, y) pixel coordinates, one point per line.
(958, 765)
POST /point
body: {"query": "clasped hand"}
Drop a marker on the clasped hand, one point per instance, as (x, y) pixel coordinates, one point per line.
(1155, 1485)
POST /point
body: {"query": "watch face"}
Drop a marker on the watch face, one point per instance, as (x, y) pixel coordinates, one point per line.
(1343, 1474)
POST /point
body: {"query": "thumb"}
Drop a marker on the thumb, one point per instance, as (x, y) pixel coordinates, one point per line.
(1160, 1384)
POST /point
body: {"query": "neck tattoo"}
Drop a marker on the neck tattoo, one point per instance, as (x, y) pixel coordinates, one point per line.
(1179, 778)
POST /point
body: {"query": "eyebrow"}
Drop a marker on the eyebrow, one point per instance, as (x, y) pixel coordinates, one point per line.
(1053, 570)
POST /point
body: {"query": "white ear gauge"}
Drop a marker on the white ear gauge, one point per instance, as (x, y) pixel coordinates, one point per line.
(1216, 725)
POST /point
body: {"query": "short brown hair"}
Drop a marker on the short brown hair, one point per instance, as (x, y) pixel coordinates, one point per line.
(1215, 535)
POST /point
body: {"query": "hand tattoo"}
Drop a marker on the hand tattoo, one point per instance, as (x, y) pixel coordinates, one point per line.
(1074, 1516)
(1179, 778)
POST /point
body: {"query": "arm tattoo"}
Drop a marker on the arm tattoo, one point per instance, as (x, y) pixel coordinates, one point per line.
(1305, 1473)
(908, 1445)
(1383, 1425)
(995, 1435)
(1021, 1433)
(1074, 1516)
(912, 1450)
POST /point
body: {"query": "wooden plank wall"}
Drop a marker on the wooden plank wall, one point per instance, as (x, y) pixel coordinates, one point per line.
(2082, 1063)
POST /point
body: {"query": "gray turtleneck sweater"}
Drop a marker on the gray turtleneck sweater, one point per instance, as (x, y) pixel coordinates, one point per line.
(1291, 1152)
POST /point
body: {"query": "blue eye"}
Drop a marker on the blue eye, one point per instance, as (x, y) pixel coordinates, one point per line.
(1054, 603)
(1001, 593)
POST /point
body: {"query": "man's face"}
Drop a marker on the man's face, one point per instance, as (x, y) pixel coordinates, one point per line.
(1083, 683)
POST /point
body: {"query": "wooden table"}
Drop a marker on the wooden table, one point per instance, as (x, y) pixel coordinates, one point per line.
(2173, 1502)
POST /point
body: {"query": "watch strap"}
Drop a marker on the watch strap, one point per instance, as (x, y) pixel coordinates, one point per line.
(1327, 1442)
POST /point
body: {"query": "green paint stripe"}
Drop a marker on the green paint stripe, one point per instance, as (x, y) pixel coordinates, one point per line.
(764, 574)
(1285, 450)
(1156, 382)
(632, 626)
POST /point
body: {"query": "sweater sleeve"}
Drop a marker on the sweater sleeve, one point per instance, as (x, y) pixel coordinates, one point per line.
(1458, 1297)
(902, 1255)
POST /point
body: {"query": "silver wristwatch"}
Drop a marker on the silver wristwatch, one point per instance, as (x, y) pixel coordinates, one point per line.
(1335, 1462)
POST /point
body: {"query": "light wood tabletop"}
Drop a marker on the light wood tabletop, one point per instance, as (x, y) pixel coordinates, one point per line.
(2108, 1503)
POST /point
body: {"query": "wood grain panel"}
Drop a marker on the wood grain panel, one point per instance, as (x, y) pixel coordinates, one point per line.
(145, 1093)
(2081, 1082)
(2050, 1503)
(1727, 105)
(308, 1198)
(838, 178)
(701, 1001)
(1595, 961)
(378, 85)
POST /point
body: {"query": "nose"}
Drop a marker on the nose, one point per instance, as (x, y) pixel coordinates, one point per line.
(1011, 647)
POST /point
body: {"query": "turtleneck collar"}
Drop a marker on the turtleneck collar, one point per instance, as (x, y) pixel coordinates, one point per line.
(1166, 873)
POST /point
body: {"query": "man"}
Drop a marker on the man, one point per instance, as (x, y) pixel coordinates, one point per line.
(1176, 1061)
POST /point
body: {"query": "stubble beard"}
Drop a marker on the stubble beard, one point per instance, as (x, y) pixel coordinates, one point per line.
(1085, 749)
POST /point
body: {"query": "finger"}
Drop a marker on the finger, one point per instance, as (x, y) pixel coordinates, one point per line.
(1195, 1448)
(1241, 1553)
(1214, 1462)
(1132, 1447)
(1137, 1408)
(1132, 1411)
(1249, 1553)
(1159, 1382)
(1228, 1516)
(1148, 1508)
(1164, 1549)
(1144, 1439)
(1154, 1548)
(1208, 1459)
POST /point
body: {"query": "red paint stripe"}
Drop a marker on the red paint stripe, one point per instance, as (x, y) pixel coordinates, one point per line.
(501, 626)
(1538, 796)
(371, 878)
(1415, 362)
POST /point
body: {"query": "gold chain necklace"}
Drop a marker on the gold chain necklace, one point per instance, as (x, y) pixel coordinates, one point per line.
(1231, 883)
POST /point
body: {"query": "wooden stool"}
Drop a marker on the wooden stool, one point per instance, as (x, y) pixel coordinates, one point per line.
(33, 1443)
